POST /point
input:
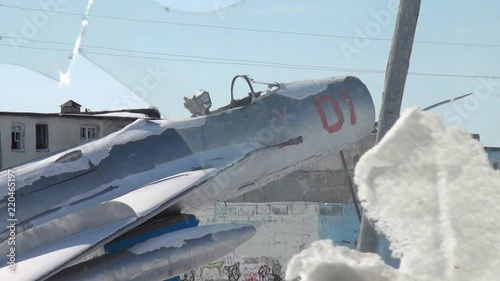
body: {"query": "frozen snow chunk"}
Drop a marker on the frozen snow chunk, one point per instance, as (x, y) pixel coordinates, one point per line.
(431, 190)
(325, 262)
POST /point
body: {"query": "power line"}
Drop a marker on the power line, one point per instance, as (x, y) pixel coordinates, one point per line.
(216, 59)
(282, 32)
(228, 61)
(307, 67)
(239, 62)
(39, 10)
(245, 62)
(37, 48)
(36, 41)
(219, 60)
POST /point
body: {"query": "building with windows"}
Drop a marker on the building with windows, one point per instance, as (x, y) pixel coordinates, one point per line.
(27, 135)
(493, 153)
(494, 156)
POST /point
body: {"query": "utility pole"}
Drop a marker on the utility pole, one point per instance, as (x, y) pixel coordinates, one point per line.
(395, 79)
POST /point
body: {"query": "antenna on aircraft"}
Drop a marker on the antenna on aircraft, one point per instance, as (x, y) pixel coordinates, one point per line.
(446, 101)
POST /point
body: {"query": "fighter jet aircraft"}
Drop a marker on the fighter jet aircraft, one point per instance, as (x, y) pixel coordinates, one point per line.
(117, 208)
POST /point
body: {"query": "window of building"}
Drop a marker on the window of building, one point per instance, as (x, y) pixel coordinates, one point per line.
(17, 137)
(42, 136)
(496, 165)
(89, 133)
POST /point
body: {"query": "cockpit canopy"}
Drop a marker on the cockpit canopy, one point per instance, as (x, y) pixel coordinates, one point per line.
(200, 103)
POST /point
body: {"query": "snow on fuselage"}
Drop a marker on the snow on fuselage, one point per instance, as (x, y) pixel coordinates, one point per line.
(299, 121)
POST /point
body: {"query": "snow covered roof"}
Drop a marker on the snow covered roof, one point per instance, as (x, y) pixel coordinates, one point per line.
(124, 114)
(141, 113)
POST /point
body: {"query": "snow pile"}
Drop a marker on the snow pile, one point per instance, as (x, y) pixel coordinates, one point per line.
(324, 261)
(432, 192)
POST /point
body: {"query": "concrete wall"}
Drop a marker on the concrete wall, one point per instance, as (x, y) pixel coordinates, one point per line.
(283, 230)
(63, 132)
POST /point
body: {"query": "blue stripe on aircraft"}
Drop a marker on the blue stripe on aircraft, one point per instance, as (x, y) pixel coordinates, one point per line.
(191, 221)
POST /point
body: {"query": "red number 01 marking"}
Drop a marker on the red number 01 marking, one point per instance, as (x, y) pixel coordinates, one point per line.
(332, 128)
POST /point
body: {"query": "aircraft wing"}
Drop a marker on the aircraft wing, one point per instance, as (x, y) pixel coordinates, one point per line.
(68, 234)
(111, 219)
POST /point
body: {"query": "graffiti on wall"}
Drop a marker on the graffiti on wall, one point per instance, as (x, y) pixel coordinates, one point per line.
(237, 271)
(212, 266)
(233, 272)
(188, 276)
(275, 273)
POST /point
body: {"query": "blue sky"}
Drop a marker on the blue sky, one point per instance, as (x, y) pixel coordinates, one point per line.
(97, 89)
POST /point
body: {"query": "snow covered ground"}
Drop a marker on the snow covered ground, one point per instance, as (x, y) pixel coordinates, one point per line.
(432, 192)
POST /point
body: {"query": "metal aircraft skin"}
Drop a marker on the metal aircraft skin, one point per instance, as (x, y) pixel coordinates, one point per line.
(72, 204)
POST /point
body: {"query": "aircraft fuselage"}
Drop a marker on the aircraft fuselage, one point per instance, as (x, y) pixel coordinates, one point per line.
(267, 138)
